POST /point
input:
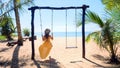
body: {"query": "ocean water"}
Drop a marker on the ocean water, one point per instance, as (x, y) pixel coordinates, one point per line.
(64, 34)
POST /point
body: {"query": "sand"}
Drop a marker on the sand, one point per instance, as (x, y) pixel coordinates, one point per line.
(61, 57)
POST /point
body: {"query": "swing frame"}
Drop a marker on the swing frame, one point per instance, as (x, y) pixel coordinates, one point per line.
(83, 7)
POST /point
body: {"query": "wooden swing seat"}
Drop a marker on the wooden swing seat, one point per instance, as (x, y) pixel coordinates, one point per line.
(71, 47)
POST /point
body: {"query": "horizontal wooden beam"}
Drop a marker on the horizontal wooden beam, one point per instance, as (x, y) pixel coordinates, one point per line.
(58, 8)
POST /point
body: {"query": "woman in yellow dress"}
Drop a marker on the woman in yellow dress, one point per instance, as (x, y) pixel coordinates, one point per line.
(46, 46)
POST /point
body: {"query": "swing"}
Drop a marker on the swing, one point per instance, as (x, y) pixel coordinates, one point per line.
(66, 28)
(45, 47)
(75, 31)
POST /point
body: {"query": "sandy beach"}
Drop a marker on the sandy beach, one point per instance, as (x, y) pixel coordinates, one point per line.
(61, 57)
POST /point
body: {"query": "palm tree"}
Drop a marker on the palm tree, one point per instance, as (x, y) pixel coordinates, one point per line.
(16, 5)
(113, 9)
(105, 37)
(7, 27)
(20, 41)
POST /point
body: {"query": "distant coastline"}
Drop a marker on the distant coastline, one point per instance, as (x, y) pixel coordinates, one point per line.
(63, 34)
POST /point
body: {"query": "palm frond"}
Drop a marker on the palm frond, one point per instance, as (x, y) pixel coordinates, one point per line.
(21, 4)
(94, 36)
(97, 37)
(111, 4)
(79, 22)
(93, 17)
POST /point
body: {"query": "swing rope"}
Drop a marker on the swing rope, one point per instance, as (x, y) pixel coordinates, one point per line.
(41, 22)
(76, 26)
(66, 27)
(52, 23)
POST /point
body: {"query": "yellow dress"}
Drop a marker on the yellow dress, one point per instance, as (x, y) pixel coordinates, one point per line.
(45, 48)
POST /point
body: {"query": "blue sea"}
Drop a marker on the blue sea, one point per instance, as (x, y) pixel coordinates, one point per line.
(63, 34)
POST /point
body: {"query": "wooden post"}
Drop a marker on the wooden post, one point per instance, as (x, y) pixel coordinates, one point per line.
(32, 32)
(83, 30)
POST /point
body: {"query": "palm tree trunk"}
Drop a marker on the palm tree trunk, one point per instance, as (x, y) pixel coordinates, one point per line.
(113, 57)
(20, 41)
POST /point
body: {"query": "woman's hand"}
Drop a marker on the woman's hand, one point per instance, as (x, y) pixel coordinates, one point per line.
(52, 36)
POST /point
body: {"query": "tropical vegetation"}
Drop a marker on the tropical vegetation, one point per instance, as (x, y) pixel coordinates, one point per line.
(16, 6)
(26, 32)
(109, 35)
(113, 9)
(2, 37)
(7, 27)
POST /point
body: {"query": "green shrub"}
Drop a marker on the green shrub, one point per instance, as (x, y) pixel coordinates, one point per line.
(26, 32)
(2, 37)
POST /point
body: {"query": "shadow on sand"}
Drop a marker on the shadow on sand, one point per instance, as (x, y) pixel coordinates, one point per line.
(98, 65)
(103, 59)
(15, 59)
(21, 62)
(36, 63)
(51, 63)
(5, 49)
(99, 57)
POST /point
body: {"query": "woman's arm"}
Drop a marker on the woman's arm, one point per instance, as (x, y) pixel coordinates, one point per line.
(51, 36)
(43, 38)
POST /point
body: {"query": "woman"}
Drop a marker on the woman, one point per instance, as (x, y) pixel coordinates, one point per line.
(45, 48)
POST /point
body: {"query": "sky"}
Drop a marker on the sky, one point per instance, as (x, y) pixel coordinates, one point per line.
(59, 16)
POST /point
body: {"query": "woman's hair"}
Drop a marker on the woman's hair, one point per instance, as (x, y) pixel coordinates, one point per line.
(47, 31)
